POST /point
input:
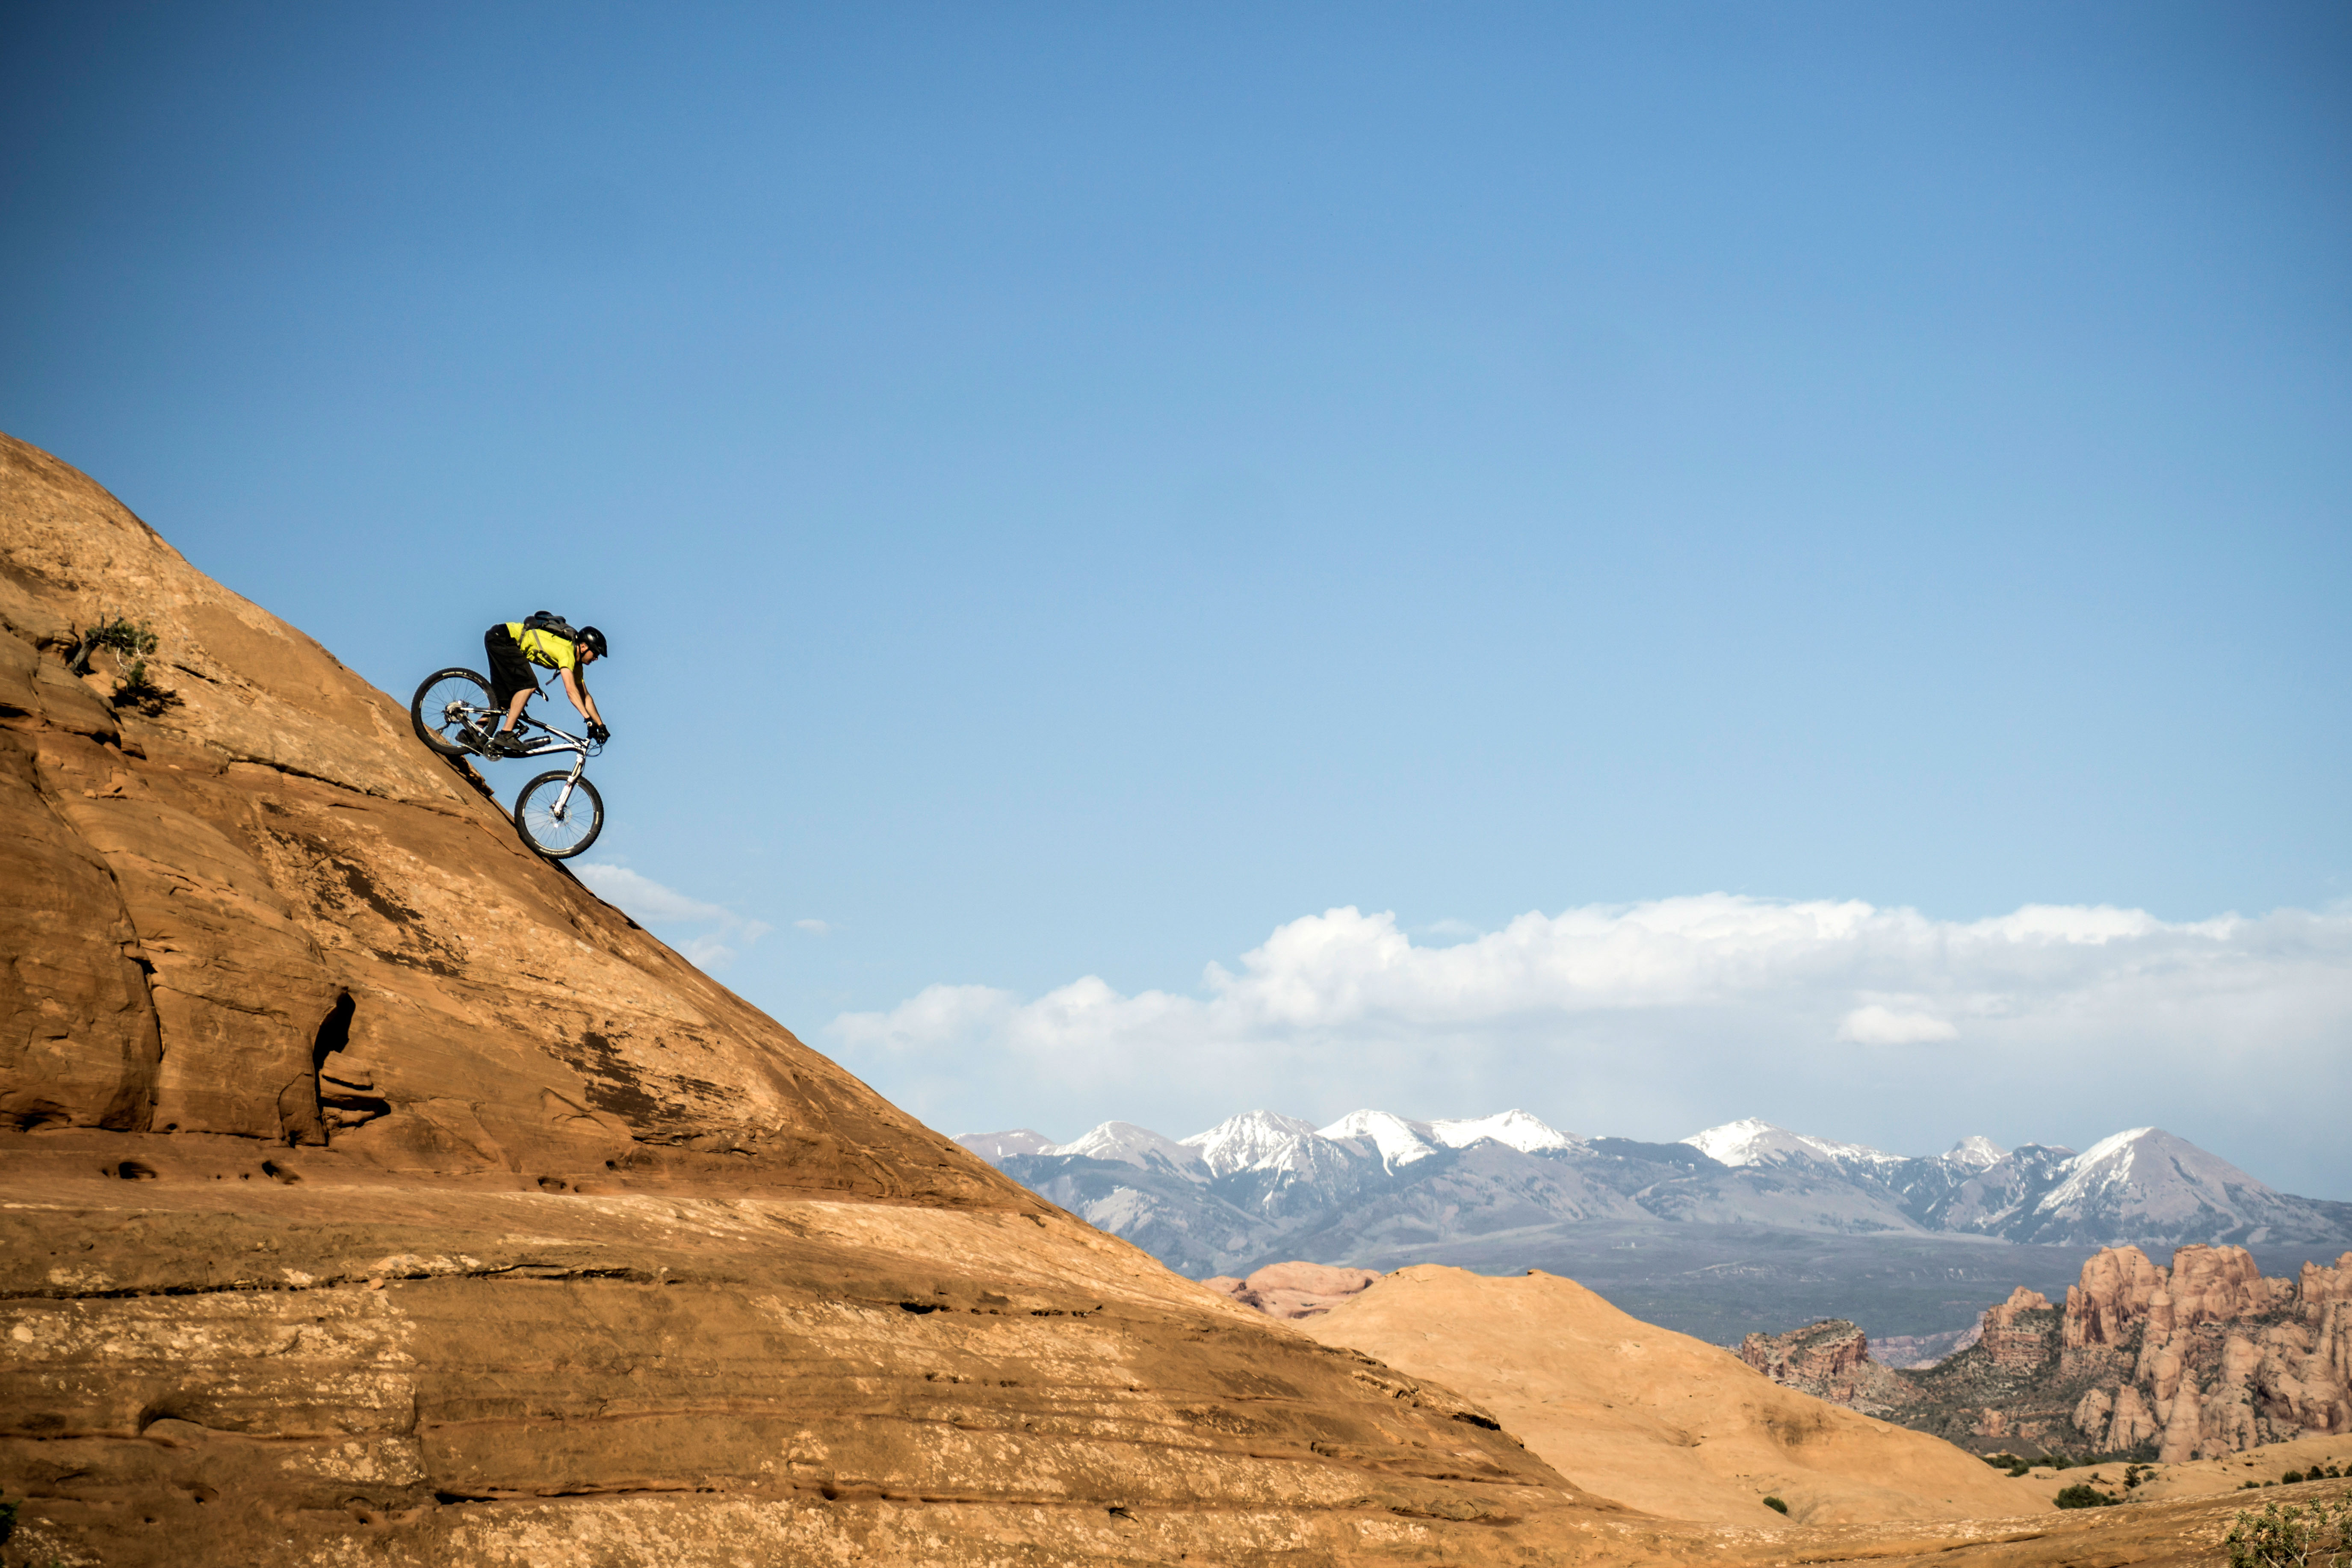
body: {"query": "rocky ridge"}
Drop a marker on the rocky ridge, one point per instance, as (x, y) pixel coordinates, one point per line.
(371, 1191)
(2199, 1360)
(370, 1187)
(1832, 1361)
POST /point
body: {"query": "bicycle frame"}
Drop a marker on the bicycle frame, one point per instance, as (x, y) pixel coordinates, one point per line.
(556, 739)
(557, 812)
(485, 721)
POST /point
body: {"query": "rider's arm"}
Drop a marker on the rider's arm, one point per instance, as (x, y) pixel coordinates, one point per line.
(577, 690)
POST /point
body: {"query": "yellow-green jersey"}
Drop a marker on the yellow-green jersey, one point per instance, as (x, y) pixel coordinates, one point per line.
(543, 648)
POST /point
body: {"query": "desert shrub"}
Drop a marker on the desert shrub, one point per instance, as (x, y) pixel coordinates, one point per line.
(2292, 1537)
(2083, 1495)
(1776, 1505)
(131, 643)
(7, 1520)
(138, 691)
(2291, 1478)
(125, 639)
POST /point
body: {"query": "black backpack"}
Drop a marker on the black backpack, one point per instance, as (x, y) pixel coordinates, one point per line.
(548, 621)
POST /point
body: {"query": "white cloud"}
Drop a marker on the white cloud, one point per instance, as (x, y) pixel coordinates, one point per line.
(645, 898)
(1876, 1025)
(1661, 1017)
(1349, 971)
(814, 928)
(710, 949)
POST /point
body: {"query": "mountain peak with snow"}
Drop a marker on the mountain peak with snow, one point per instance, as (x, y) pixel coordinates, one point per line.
(997, 1147)
(1401, 1142)
(1975, 1153)
(1752, 1141)
(2146, 1174)
(1253, 1139)
(1130, 1144)
(1515, 1128)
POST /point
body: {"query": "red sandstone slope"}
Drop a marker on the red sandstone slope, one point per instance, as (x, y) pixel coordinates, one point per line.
(367, 1185)
(201, 887)
(546, 1249)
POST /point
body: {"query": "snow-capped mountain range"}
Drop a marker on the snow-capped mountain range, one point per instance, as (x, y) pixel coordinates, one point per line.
(1754, 1142)
(1266, 1141)
(1261, 1185)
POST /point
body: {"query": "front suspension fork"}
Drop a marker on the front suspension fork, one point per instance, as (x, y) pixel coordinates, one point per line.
(563, 800)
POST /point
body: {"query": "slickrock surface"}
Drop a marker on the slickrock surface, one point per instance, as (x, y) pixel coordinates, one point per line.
(370, 1193)
(1294, 1291)
(371, 1189)
(2234, 1477)
(2198, 1361)
(1668, 1423)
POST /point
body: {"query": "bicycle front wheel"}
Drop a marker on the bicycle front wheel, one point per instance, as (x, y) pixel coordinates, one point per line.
(446, 705)
(556, 826)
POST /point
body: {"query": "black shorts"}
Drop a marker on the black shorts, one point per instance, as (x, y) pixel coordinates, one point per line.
(509, 671)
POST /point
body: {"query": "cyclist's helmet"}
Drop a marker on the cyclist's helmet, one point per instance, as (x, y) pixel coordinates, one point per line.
(593, 641)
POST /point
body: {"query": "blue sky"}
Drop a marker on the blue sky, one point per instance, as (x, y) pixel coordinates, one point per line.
(1077, 489)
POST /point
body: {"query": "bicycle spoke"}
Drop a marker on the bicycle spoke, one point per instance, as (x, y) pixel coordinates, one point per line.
(446, 705)
(581, 817)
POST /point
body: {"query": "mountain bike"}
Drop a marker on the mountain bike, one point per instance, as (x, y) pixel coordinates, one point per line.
(559, 813)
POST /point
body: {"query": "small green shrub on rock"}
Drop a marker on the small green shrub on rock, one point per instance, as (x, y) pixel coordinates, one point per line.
(2292, 1537)
(1776, 1505)
(2083, 1495)
(131, 643)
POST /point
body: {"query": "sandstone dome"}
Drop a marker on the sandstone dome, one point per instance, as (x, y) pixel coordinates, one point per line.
(371, 1192)
(370, 1186)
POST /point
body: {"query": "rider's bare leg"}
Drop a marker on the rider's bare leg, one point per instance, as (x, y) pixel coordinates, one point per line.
(514, 710)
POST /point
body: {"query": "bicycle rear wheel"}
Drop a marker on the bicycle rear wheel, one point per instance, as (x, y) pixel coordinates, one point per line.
(559, 832)
(439, 709)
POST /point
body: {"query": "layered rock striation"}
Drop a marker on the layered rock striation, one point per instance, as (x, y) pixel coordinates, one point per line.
(1829, 1360)
(370, 1188)
(2209, 1356)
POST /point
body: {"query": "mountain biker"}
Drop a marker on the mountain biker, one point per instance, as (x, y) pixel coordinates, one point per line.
(513, 647)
